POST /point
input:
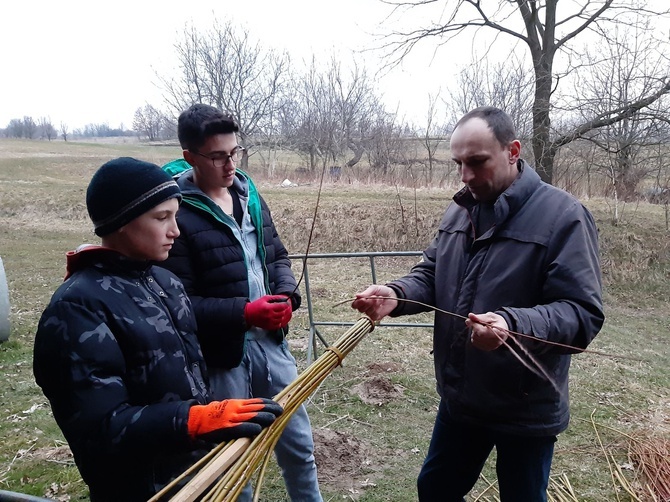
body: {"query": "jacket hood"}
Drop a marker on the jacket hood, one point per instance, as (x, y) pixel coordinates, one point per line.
(242, 184)
(182, 172)
(195, 197)
(176, 167)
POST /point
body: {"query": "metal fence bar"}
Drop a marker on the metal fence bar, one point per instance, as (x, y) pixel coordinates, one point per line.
(314, 333)
(373, 269)
(362, 254)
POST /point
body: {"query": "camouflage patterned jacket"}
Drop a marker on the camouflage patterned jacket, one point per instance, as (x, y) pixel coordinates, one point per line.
(117, 356)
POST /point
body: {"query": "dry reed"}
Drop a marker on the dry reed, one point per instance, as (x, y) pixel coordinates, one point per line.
(651, 460)
(652, 456)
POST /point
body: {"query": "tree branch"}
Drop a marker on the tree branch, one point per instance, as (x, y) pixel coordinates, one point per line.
(611, 117)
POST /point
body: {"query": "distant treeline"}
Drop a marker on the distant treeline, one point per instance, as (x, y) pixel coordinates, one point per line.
(43, 128)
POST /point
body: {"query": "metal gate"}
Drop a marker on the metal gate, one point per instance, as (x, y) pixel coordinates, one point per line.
(314, 333)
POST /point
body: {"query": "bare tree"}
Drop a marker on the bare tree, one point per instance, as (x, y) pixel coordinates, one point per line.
(64, 130)
(546, 32)
(434, 134)
(148, 121)
(628, 68)
(29, 127)
(14, 128)
(307, 115)
(356, 105)
(46, 128)
(387, 146)
(222, 66)
(507, 85)
(329, 114)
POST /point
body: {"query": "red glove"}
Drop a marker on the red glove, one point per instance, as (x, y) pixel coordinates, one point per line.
(233, 418)
(269, 312)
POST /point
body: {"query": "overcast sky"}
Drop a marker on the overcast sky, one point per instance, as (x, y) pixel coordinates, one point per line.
(81, 62)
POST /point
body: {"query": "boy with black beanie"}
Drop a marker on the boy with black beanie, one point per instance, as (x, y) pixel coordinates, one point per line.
(116, 352)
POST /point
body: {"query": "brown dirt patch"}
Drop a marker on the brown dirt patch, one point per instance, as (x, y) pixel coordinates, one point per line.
(344, 462)
(298, 343)
(381, 368)
(377, 390)
(59, 454)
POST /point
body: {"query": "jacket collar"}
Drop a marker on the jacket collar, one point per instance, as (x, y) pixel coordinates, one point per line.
(512, 199)
(188, 187)
(89, 255)
(243, 184)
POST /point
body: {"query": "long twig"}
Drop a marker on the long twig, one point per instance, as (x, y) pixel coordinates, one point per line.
(311, 232)
(533, 365)
(538, 369)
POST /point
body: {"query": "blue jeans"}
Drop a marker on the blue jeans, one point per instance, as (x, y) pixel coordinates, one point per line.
(268, 367)
(457, 454)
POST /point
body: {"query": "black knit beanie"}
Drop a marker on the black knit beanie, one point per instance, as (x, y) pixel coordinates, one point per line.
(125, 188)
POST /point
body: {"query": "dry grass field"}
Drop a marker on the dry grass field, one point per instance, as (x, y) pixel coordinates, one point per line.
(372, 417)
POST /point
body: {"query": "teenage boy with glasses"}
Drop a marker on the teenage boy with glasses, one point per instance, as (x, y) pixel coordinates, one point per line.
(237, 273)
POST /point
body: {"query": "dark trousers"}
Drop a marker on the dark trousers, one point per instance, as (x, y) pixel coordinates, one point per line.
(457, 454)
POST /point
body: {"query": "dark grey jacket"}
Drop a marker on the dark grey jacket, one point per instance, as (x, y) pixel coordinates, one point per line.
(117, 356)
(538, 266)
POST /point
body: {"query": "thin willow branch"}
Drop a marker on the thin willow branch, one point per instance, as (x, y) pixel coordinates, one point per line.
(538, 369)
(311, 231)
(195, 467)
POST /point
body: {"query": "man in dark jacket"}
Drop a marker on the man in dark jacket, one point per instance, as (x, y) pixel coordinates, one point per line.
(116, 352)
(523, 255)
(237, 273)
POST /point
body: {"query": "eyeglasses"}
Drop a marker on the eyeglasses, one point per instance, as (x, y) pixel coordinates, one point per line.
(221, 159)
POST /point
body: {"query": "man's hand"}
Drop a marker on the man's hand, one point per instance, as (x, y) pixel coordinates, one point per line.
(230, 419)
(487, 330)
(375, 308)
(269, 312)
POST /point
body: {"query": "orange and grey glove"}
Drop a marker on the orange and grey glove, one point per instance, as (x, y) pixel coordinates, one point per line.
(269, 312)
(230, 419)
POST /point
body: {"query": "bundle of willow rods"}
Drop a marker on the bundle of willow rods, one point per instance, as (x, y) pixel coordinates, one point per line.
(230, 466)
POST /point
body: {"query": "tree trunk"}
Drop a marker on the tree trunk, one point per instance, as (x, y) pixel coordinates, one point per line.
(358, 150)
(542, 148)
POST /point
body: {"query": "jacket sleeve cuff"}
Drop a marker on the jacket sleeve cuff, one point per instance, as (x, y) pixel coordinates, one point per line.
(182, 415)
(400, 293)
(294, 296)
(511, 323)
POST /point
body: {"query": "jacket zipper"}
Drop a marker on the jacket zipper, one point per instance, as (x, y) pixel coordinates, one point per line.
(149, 280)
